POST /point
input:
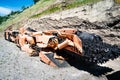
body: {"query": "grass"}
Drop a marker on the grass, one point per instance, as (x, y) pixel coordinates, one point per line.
(50, 10)
(25, 15)
(80, 3)
(60, 7)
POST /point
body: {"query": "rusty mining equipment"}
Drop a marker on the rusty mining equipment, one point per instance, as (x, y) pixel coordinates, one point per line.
(42, 43)
(54, 46)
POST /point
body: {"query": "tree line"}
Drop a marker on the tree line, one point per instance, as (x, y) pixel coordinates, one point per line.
(35, 1)
(5, 18)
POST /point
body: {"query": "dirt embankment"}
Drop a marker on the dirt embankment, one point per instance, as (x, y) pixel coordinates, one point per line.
(102, 18)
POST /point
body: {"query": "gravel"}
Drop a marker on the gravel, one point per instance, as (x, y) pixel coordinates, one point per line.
(18, 65)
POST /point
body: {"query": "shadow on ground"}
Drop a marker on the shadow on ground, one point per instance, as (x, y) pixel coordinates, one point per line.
(79, 63)
(95, 51)
(114, 76)
(92, 68)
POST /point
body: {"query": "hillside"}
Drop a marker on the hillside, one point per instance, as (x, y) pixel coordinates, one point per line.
(100, 17)
(43, 7)
(60, 9)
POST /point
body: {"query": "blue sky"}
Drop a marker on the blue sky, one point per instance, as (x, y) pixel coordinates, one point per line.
(6, 6)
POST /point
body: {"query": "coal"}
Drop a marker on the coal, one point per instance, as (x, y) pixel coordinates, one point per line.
(95, 50)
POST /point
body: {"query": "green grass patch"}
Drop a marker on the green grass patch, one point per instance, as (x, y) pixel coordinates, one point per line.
(64, 6)
(51, 9)
(78, 3)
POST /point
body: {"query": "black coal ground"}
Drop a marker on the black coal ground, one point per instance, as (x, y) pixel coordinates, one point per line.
(96, 50)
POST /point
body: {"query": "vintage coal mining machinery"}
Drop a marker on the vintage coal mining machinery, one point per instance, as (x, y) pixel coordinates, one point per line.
(62, 44)
(41, 43)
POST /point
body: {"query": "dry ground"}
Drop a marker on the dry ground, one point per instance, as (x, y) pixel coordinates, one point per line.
(17, 65)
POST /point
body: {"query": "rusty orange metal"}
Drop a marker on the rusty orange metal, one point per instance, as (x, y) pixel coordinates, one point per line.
(47, 41)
